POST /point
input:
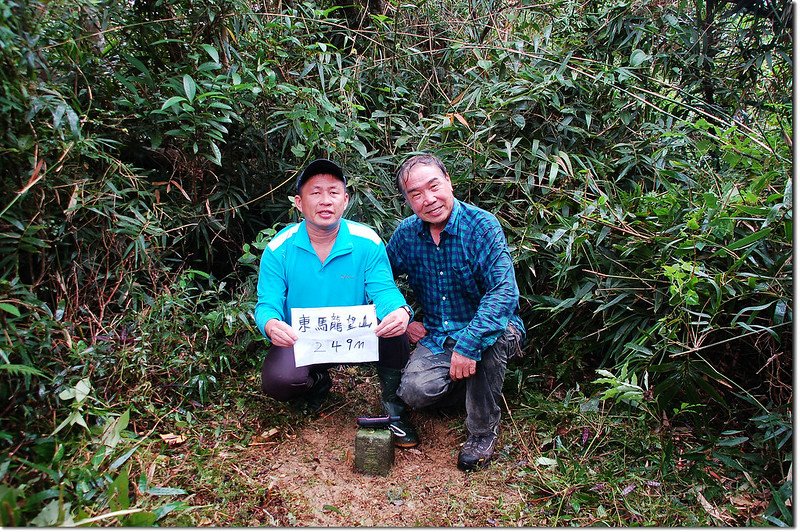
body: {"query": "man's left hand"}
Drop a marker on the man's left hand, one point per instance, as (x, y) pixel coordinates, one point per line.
(393, 324)
(461, 367)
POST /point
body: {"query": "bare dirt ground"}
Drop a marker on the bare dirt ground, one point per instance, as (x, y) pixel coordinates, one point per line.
(312, 480)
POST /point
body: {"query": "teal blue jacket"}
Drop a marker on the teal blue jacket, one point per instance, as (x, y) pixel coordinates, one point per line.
(357, 272)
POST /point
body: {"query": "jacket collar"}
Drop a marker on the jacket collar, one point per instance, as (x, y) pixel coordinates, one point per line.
(341, 246)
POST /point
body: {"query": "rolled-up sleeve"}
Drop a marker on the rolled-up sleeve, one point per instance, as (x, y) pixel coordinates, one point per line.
(500, 299)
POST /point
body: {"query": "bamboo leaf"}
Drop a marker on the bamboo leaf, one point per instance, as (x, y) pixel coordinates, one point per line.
(732, 442)
(11, 309)
(746, 241)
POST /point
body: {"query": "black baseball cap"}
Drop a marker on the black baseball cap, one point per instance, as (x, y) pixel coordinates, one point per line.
(320, 166)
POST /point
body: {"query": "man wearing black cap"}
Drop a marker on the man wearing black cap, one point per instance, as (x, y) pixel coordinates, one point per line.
(326, 261)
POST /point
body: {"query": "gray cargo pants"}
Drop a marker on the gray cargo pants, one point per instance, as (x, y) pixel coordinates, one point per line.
(426, 380)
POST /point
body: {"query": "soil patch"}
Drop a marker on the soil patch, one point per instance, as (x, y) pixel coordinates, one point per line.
(312, 480)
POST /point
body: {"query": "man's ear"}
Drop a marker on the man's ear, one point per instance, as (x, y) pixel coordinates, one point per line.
(297, 202)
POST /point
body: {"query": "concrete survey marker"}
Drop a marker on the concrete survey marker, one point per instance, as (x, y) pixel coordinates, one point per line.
(374, 451)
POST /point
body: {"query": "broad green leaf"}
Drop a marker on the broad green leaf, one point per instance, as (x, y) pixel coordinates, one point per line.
(112, 433)
(74, 122)
(82, 389)
(140, 67)
(189, 87)
(211, 51)
(780, 312)
(118, 497)
(638, 57)
(172, 101)
(50, 515)
(360, 147)
(140, 519)
(77, 417)
(788, 192)
(69, 393)
(58, 115)
(216, 156)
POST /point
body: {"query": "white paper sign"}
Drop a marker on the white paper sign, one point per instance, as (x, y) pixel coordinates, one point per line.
(335, 335)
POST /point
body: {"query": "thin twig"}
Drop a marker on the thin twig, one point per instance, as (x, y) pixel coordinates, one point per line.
(522, 441)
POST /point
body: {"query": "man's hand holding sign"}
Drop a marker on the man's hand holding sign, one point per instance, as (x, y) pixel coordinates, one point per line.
(335, 334)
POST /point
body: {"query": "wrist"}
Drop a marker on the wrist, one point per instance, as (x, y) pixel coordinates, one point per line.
(409, 310)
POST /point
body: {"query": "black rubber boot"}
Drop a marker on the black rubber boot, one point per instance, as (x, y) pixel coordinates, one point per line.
(319, 384)
(394, 406)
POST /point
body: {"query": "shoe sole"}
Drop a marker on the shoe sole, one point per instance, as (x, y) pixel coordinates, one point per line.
(406, 445)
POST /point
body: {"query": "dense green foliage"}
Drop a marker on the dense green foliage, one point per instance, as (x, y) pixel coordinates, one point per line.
(639, 156)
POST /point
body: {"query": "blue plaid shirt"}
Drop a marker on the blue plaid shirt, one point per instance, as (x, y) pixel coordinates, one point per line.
(465, 285)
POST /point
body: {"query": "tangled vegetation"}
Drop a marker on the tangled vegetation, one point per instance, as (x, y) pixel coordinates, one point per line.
(638, 155)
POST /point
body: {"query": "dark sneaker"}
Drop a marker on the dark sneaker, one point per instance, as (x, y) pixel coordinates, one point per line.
(317, 392)
(409, 439)
(477, 451)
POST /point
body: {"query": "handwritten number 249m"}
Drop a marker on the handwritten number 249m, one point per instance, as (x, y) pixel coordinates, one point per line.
(350, 344)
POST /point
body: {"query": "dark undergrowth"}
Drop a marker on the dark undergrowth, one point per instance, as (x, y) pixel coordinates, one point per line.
(637, 154)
